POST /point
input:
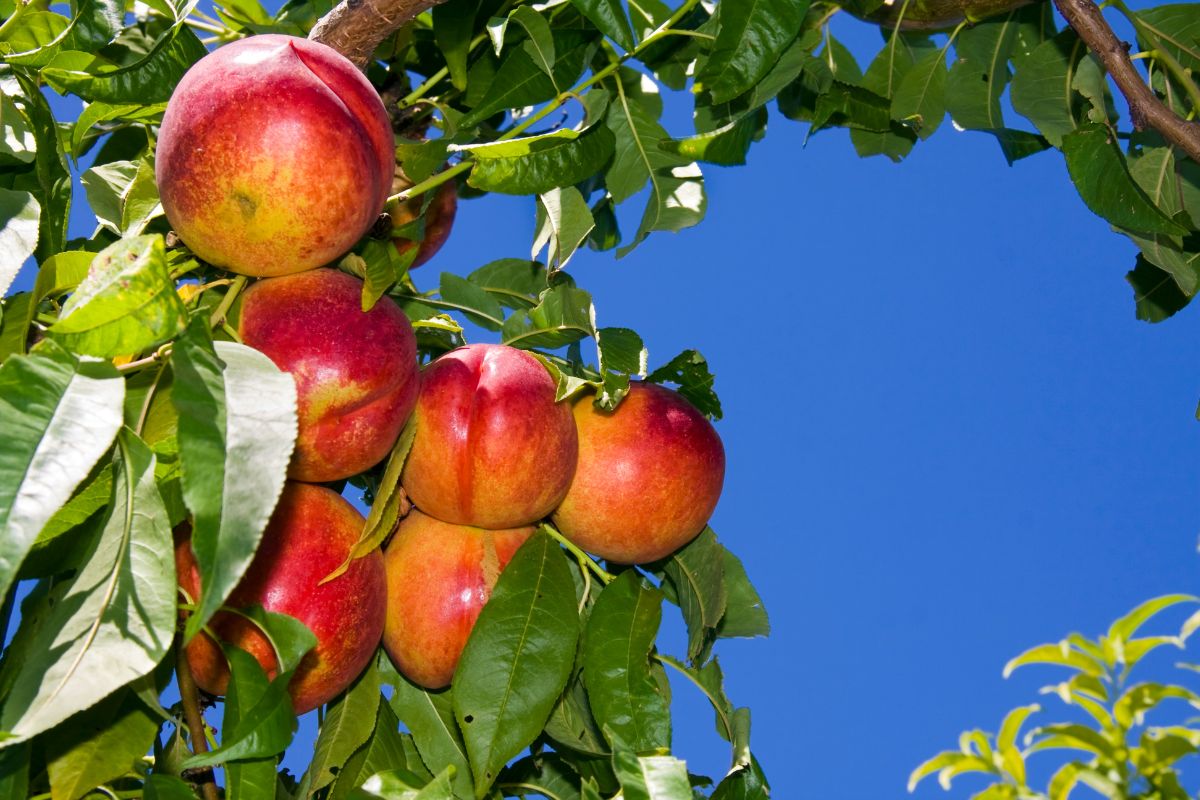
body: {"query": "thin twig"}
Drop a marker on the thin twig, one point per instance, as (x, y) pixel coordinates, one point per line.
(1145, 108)
(195, 722)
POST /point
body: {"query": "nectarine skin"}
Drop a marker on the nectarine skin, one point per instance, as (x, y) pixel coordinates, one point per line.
(648, 478)
(356, 373)
(439, 576)
(439, 220)
(309, 535)
(275, 156)
(492, 447)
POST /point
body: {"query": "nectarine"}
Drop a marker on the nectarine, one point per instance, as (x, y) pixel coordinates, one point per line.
(439, 219)
(356, 373)
(492, 447)
(275, 156)
(648, 478)
(309, 535)
(438, 578)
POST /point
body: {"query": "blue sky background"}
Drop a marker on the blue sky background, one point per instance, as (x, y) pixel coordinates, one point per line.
(948, 438)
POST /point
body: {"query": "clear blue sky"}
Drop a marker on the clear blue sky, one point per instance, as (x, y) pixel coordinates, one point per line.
(948, 438)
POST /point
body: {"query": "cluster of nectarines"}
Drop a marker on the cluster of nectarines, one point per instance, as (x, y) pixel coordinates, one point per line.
(275, 157)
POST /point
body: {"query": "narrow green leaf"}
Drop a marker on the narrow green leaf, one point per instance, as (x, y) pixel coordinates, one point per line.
(517, 659)
(726, 146)
(127, 303)
(745, 615)
(920, 98)
(50, 168)
(472, 300)
(403, 785)
(453, 22)
(1102, 178)
(698, 574)
(1174, 27)
(148, 80)
(540, 45)
(1129, 624)
(541, 163)
(563, 224)
(1156, 293)
(1058, 654)
(749, 40)
(59, 415)
(237, 426)
(609, 17)
(19, 215)
(677, 201)
(386, 749)
(651, 777)
(430, 718)
(100, 745)
(633, 119)
(1042, 88)
(625, 698)
(519, 82)
(980, 73)
(572, 725)
(348, 725)
(564, 314)
(113, 622)
(744, 783)
(689, 372)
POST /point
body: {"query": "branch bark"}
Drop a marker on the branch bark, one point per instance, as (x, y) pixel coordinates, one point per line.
(1144, 106)
(356, 27)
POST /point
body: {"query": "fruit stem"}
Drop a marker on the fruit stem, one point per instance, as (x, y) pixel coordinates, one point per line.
(218, 316)
(585, 560)
(195, 721)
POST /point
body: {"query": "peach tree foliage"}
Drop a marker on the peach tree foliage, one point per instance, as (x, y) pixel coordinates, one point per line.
(560, 101)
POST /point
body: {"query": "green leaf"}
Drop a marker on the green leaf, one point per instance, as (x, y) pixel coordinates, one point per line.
(517, 658)
(59, 415)
(473, 301)
(1175, 27)
(386, 749)
(540, 45)
(50, 169)
(1137, 700)
(259, 718)
(403, 785)
(151, 79)
(563, 315)
(1102, 178)
(980, 73)
(726, 145)
(633, 119)
(625, 698)
(58, 274)
(100, 745)
(349, 724)
(563, 223)
(1157, 295)
(572, 725)
(745, 614)
(123, 195)
(1042, 88)
(515, 282)
(697, 572)
(677, 201)
(744, 783)
(14, 772)
(651, 777)
(17, 142)
(1129, 624)
(127, 303)
(920, 98)
(453, 24)
(430, 718)
(421, 159)
(1011, 726)
(109, 625)
(19, 216)
(54, 551)
(609, 17)
(750, 38)
(689, 372)
(237, 426)
(538, 164)
(519, 82)
(38, 32)
(1059, 654)
(385, 510)
(167, 787)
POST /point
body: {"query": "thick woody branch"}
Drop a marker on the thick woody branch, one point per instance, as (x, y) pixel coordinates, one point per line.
(1144, 106)
(356, 27)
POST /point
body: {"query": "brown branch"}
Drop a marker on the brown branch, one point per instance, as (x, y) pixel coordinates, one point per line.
(190, 695)
(356, 27)
(1144, 106)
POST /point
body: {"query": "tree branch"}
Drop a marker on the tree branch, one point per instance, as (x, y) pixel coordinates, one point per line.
(1144, 106)
(356, 27)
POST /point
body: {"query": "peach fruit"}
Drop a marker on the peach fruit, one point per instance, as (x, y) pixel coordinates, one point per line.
(648, 477)
(309, 535)
(439, 219)
(492, 447)
(356, 373)
(275, 156)
(439, 576)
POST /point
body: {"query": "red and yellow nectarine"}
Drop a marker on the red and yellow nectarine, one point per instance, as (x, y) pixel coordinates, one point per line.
(275, 156)
(309, 535)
